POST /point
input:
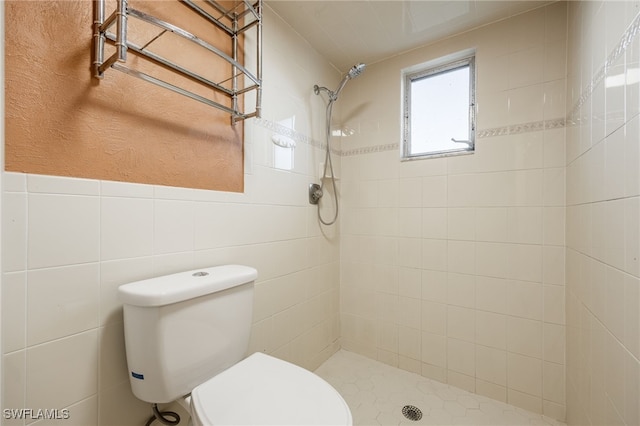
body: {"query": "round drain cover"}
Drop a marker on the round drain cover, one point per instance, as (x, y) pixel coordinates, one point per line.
(412, 413)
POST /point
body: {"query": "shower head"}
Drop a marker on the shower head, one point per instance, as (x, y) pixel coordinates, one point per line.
(355, 71)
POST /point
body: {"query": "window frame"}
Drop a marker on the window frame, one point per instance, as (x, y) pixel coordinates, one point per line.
(430, 69)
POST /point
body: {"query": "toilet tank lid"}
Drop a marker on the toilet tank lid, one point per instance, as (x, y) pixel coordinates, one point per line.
(174, 288)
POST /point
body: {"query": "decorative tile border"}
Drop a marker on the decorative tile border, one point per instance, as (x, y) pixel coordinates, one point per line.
(573, 116)
(558, 123)
(286, 131)
(293, 134)
(371, 149)
(534, 126)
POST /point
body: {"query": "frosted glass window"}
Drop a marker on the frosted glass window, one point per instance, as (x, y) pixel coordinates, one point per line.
(439, 110)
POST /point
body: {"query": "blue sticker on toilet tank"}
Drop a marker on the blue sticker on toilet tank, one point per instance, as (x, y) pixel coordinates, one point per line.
(137, 375)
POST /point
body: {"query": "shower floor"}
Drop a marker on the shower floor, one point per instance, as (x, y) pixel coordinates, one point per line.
(376, 394)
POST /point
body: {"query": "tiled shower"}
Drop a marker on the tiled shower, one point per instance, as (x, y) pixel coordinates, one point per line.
(454, 267)
(503, 272)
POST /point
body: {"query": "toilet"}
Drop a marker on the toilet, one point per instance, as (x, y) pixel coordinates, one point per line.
(186, 335)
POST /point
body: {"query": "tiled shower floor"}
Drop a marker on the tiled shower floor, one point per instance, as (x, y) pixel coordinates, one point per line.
(376, 393)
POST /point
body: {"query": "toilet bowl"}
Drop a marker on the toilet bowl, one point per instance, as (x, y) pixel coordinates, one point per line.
(187, 333)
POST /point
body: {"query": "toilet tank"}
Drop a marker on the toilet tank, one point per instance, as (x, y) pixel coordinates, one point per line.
(182, 329)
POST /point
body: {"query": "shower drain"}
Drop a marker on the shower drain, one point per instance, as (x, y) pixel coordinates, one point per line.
(412, 413)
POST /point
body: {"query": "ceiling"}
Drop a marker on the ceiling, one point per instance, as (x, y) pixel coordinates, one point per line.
(346, 32)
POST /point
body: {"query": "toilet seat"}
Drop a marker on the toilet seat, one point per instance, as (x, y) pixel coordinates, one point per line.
(262, 390)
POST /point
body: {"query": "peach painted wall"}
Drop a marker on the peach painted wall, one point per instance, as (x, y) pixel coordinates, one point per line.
(62, 121)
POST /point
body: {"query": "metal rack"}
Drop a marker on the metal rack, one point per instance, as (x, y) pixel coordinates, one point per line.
(233, 21)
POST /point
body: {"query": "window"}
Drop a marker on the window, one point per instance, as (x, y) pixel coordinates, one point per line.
(439, 109)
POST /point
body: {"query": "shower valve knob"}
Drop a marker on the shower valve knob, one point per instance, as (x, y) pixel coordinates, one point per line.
(315, 193)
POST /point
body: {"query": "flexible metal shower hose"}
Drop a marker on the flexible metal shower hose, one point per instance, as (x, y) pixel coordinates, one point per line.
(328, 160)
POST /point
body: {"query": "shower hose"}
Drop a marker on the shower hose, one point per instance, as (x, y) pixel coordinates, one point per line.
(327, 161)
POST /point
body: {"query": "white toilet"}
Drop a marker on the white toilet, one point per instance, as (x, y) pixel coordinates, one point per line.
(185, 337)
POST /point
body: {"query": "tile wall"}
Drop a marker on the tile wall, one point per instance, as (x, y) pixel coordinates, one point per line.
(603, 214)
(454, 267)
(69, 243)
